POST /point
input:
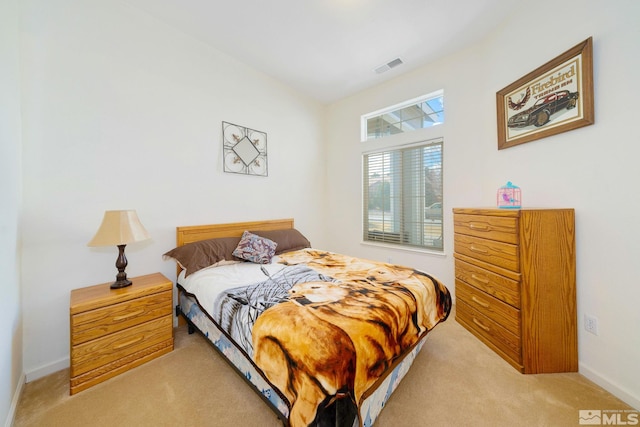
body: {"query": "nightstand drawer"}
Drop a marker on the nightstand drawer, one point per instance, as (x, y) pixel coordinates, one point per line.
(489, 331)
(102, 351)
(501, 254)
(503, 288)
(97, 323)
(501, 313)
(502, 229)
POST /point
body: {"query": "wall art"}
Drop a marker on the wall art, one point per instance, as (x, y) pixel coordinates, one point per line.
(554, 98)
(244, 150)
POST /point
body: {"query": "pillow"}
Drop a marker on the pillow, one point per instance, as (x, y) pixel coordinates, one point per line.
(256, 249)
(288, 240)
(205, 253)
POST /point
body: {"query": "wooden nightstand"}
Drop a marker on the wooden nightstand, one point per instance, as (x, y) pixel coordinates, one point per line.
(114, 330)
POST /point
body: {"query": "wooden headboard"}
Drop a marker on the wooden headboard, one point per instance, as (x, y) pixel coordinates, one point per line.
(195, 233)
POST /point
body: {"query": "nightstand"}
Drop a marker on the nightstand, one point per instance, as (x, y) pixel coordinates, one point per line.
(115, 330)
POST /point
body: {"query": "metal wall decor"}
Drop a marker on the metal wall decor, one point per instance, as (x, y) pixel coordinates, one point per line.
(244, 150)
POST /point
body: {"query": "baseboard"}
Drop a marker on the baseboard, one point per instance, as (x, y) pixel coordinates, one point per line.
(620, 392)
(43, 371)
(14, 402)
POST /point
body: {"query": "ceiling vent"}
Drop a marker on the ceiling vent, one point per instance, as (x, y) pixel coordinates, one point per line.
(389, 65)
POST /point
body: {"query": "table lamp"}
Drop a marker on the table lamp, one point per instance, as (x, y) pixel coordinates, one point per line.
(120, 228)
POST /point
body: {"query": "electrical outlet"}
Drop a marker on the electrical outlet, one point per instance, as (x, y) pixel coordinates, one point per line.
(591, 324)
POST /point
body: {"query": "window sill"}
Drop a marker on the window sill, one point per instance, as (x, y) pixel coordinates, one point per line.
(405, 248)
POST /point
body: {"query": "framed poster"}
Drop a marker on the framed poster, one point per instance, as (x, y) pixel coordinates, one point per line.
(554, 98)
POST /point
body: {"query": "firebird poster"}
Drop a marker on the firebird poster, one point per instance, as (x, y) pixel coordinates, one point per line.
(554, 98)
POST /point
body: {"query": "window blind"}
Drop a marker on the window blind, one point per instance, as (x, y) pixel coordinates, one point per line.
(402, 191)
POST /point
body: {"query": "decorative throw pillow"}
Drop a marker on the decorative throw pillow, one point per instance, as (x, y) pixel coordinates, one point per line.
(254, 248)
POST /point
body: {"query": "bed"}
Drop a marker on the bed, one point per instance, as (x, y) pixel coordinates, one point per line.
(323, 338)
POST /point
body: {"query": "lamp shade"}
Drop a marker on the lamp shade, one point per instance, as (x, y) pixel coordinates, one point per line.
(119, 228)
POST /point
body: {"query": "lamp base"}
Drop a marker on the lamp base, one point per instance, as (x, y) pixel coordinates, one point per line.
(121, 264)
(121, 284)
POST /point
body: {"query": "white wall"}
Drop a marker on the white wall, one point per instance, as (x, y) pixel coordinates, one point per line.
(593, 169)
(122, 112)
(10, 307)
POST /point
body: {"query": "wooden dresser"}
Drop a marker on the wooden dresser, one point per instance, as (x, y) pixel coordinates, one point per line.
(516, 284)
(114, 330)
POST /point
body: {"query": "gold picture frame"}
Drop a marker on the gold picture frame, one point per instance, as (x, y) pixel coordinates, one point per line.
(554, 98)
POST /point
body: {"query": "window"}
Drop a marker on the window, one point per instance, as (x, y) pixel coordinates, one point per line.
(402, 184)
(402, 190)
(418, 113)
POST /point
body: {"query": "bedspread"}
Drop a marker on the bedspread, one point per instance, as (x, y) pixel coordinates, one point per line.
(327, 328)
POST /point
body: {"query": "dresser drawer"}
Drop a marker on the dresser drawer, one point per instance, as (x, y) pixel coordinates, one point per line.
(501, 313)
(101, 351)
(492, 333)
(501, 254)
(501, 287)
(502, 229)
(97, 323)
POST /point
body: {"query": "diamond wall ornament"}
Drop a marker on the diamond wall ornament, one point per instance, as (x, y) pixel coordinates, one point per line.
(244, 150)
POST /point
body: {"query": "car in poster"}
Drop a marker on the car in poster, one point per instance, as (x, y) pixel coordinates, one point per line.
(540, 113)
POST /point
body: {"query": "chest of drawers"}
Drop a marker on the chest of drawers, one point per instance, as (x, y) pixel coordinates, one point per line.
(515, 284)
(114, 330)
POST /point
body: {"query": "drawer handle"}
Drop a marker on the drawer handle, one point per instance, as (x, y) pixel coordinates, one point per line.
(480, 279)
(479, 227)
(478, 250)
(481, 303)
(129, 315)
(477, 322)
(128, 343)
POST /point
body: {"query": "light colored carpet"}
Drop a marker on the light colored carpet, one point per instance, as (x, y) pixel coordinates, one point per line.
(455, 381)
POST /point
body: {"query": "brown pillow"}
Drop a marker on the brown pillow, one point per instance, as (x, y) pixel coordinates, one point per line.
(288, 240)
(198, 255)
